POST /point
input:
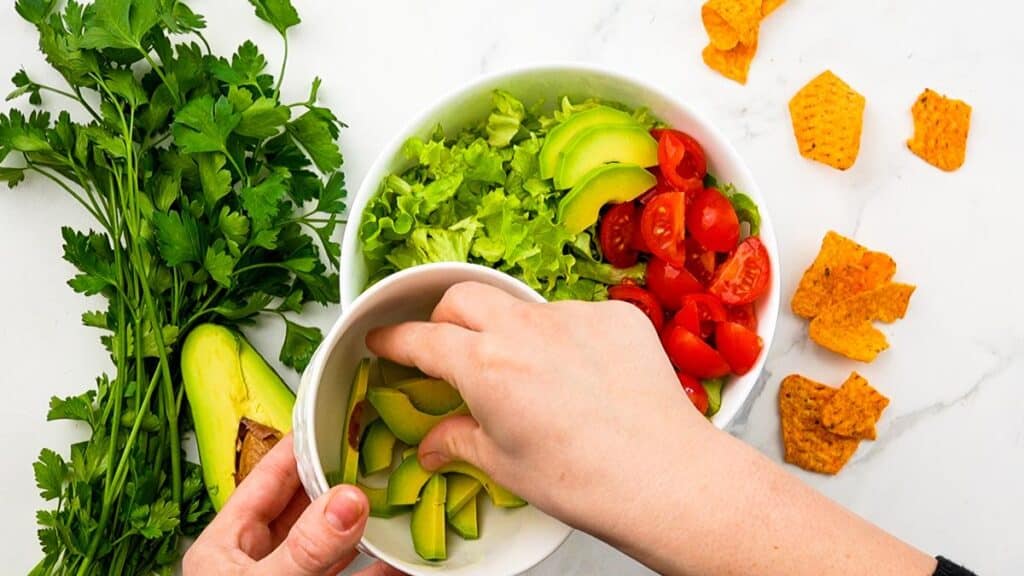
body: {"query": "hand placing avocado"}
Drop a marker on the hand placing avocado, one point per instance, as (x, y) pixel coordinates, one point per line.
(384, 411)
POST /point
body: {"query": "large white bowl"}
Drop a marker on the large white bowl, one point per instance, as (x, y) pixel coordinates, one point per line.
(511, 541)
(470, 104)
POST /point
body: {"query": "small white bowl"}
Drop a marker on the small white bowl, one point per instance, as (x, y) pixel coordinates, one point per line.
(511, 541)
(471, 104)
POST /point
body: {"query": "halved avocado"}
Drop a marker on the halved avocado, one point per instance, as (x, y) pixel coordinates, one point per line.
(355, 423)
(602, 145)
(563, 134)
(430, 395)
(407, 480)
(464, 523)
(614, 183)
(427, 523)
(378, 448)
(408, 424)
(379, 507)
(240, 406)
(461, 489)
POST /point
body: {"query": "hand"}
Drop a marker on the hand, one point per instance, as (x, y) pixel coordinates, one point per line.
(269, 526)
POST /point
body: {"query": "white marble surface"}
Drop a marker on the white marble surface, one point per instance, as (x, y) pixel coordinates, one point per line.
(948, 469)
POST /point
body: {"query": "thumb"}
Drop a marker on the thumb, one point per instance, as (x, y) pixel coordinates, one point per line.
(455, 438)
(323, 538)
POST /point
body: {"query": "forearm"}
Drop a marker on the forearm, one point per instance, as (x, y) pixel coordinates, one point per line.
(732, 511)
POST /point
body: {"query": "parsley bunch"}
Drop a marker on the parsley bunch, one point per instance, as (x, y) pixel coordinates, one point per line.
(213, 201)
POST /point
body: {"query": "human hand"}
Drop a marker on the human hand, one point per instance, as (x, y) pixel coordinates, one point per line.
(269, 526)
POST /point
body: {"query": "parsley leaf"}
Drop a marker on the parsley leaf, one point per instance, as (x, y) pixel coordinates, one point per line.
(177, 235)
(300, 343)
(51, 470)
(278, 13)
(119, 23)
(204, 125)
(316, 134)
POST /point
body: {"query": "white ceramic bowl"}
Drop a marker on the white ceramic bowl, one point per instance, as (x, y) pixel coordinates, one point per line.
(472, 103)
(511, 541)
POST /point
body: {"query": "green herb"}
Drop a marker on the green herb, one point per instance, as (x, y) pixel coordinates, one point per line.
(213, 201)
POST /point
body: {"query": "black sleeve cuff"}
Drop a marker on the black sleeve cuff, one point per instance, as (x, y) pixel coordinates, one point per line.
(947, 568)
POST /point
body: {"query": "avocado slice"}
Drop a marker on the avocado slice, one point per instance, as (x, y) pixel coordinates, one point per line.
(613, 183)
(713, 387)
(378, 448)
(602, 145)
(464, 523)
(392, 373)
(427, 523)
(240, 406)
(379, 507)
(461, 489)
(561, 135)
(407, 480)
(408, 424)
(355, 422)
(430, 395)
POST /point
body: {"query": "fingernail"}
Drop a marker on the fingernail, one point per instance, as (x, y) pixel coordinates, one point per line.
(344, 509)
(433, 460)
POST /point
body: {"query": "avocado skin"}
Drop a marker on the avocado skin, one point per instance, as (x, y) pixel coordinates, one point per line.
(428, 522)
(225, 381)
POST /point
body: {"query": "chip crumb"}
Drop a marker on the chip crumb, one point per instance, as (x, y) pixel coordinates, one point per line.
(847, 327)
(733, 64)
(807, 443)
(731, 22)
(854, 410)
(828, 116)
(842, 268)
(941, 126)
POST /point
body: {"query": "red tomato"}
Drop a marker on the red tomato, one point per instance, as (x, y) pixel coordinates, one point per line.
(745, 276)
(618, 227)
(691, 354)
(694, 391)
(739, 346)
(681, 159)
(642, 299)
(712, 221)
(663, 226)
(743, 315)
(688, 317)
(699, 262)
(708, 311)
(669, 283)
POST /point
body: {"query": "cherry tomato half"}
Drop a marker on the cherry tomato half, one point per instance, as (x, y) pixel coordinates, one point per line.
(739, 346)
(712, 221)
(670, 283)
(680, 158)
(708, 311)
(663, 226)
(694, 391)
(700, 262)
(743, 315)
(642, 299)
(745, 276)
(691, 354)
(618, 227)
(688, 317)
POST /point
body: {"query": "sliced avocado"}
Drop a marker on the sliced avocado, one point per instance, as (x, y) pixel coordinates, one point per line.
(430, 395)
(392, 373)
(379, 507)
(427, 523)
(464, 522)
(461, 489)
(240, 406)
(563, 134)
(354, 423)
(614, 183)
(408, 424)
(601, 145)
(408, 452)
(378, 448)
(407, 480)
(714, 389)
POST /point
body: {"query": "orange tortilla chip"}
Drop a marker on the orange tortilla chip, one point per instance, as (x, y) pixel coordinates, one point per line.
(733, 64)
(807, 443)
(842, 269)
(769, 6)
(854, 410)
(940, 130)
(846, 328)
(827, 119)
(731, 22)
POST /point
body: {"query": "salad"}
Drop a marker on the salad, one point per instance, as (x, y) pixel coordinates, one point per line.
(592, 201)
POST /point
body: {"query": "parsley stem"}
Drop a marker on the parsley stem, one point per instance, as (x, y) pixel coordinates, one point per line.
(284, 62)
(95, 214)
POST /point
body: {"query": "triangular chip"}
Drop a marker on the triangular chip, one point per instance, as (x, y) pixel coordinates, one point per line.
(769, 6)
(842, 269)
(807, 443)
(827, 119)
(847, 327)
(731, 22)
(733, 64)
(854, 410)
(940, 130)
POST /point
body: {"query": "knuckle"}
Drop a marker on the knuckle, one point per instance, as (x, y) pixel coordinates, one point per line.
(306, 550)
